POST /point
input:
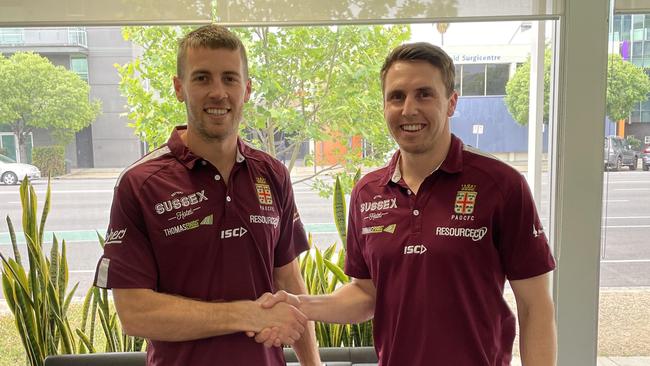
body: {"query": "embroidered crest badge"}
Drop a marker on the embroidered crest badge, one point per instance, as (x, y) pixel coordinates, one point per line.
(263, 191)
(465, 199)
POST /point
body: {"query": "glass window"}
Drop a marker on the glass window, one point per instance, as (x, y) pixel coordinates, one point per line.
(12, 36)
(635, 116)
(496, 79)
(80, 66)
(637, 49)
(457, 78)
(77, 36)
(645, 117)
(638, 35)
(637, 21)
(474, 79)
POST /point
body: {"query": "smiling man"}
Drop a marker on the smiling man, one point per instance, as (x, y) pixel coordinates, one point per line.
(431, 266)
(203, 227)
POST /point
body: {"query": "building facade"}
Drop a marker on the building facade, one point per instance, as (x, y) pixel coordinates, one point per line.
(91, 53)
(630, 35)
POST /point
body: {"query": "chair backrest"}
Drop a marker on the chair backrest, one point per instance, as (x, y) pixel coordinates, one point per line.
(335, 356)
(340, 356)
(99, 359)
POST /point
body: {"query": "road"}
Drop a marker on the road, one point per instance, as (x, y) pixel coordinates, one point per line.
(79, 207)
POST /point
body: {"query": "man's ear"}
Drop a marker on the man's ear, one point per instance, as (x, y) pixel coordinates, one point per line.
(178, 88)
(453, 100)
(247, 94)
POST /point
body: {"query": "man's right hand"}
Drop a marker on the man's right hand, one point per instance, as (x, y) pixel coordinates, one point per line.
(279, 321)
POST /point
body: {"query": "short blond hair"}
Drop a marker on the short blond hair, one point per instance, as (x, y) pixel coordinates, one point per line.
(211, 36)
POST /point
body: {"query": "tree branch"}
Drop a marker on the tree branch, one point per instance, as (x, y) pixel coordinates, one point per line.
(330, 168)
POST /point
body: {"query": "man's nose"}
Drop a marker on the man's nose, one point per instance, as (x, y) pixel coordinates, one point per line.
(410, 107)
(217, 90)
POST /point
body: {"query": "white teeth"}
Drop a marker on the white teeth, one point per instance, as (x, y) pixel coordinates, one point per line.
(412, 128)
(216, 111)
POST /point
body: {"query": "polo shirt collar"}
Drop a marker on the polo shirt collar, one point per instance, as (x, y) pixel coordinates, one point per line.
(188, 158)
(453, 162)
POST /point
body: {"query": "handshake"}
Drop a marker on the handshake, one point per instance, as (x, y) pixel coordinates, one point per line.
(281, 319)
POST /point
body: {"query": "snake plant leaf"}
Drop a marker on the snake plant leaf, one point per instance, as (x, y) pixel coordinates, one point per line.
(338, 273)
(356, 178)
(85, 341)
(14, 242)
(45, 212)
(85, 308)
(7, 291)
(340, 210)
(101, 239)
(68, 298)
(54, 259)
(320, 272)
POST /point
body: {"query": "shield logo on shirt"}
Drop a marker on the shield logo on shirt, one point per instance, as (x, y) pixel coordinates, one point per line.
(465, 200)
(263, 191)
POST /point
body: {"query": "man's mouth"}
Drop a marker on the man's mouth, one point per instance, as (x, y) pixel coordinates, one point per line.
(412, 127)
(216, 111)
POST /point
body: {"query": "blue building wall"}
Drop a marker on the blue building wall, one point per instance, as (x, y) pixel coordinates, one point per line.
(500, 132)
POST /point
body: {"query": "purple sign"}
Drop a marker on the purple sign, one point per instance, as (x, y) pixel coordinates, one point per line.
(624, 50)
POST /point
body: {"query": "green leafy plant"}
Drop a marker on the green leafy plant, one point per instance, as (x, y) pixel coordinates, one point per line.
(97, 305)
(50, 160)
(37, 296)
(38, 300)
(323, 273)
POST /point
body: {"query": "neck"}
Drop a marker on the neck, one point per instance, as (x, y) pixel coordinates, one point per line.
(222, 153)
(415, 167)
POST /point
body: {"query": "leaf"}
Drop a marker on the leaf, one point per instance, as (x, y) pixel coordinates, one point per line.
(340, 211)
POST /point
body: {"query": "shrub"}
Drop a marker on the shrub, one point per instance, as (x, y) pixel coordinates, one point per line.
(50, 160)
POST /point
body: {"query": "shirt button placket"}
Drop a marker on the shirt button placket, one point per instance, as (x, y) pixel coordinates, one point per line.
(417, 215)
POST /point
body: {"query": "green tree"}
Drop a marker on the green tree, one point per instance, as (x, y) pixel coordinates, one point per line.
(309, 83)
(627, 84)
(36, 94)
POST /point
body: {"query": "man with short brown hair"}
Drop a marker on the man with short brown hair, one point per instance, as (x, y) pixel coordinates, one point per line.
(433, 237)
(205, 226)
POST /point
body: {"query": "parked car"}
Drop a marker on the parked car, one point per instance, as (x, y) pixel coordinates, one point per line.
(619, 153)
(12, 172)
(645, 158)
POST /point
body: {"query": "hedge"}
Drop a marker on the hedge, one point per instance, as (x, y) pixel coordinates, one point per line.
(49, 159)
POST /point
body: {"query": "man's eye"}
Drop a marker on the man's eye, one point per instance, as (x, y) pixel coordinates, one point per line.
(396, 97)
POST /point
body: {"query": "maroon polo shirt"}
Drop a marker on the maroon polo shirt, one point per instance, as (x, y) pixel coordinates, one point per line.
(439, 259)
(176, 228)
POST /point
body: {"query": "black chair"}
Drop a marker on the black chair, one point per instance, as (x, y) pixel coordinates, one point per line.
(361, 356)
(99, 359)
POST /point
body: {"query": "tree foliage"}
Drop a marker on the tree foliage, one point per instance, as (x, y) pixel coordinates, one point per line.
(309, 83)
(517, 90)
(36, 94)
(627, 84)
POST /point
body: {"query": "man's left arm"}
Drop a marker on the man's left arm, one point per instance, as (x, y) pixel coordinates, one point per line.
(537, 333)
(289, 279)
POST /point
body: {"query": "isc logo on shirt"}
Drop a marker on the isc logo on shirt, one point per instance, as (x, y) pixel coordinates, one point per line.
(415, 249)
(233, 233)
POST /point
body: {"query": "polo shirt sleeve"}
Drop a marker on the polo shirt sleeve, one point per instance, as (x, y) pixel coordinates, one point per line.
(293, 239)
(521, 240)
(355, 262)
(128, 259)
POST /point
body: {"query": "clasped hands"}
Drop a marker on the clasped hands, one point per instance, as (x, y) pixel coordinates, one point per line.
(281, 320)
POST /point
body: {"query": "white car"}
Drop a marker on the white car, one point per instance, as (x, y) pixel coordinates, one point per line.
(12, 172)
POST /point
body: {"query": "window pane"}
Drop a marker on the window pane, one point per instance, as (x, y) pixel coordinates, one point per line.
(459, 71)
(497, 77)
(474, 79)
